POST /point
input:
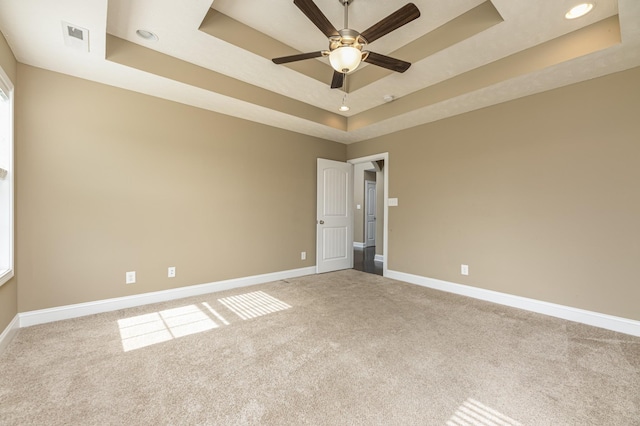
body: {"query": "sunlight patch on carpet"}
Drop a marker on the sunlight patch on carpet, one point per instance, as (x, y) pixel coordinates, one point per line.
(474, 413)
(253, 305)
(215, 313)
(146, 330)
(157, 327)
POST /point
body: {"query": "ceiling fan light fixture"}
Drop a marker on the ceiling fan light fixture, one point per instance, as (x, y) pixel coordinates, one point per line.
(345, 59)
(579, 10)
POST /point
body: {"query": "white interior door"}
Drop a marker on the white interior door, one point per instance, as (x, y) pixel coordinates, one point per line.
(334, 227)
(370, 214)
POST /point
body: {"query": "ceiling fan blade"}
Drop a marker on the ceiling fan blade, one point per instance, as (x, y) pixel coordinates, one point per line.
(315, 15)
(299, 57)
(387, 62)
(338, 80)
(400, 17)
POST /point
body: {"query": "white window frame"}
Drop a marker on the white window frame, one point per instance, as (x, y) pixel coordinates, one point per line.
(6, 274)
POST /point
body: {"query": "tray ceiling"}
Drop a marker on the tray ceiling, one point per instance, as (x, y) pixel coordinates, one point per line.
(466, 55)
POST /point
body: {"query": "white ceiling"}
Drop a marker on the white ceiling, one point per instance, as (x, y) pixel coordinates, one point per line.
(34, 31)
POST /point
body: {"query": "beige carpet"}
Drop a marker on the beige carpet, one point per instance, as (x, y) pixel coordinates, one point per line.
(343, 348)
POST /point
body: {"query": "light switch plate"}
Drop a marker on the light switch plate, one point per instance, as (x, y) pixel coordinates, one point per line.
(393, 202)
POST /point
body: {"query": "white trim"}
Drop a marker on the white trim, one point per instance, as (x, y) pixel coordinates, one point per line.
(385, 220)
(5, 276)
(6, 85)
(82, 309)
(9, 333)
(596, 319)
(358, 245)
(378, 258)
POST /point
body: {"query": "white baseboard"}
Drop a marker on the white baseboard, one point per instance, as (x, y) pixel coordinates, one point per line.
(9, 333)
(596, 319)
(358, 245)
(378, 258)
(42, 316)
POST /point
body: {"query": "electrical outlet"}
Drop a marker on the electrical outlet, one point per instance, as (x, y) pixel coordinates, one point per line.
(303, 255)
(171, 272)
(464, 269)
(130, 277)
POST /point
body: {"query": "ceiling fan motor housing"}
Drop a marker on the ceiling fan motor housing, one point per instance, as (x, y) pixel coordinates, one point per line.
(347, 37)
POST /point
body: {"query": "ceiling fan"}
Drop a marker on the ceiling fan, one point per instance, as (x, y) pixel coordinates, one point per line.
(346, 46)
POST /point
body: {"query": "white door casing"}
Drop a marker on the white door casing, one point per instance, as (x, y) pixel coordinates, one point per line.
(334, 226)
(370, 213)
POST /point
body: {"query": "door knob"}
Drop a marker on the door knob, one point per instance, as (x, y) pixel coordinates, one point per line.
(321, 222)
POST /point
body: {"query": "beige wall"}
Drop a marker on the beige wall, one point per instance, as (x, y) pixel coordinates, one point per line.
(7, 60)
(539, 196)
(113, 181)
(8, 292)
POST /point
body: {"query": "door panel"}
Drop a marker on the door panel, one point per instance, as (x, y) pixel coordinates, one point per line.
(334, 235)
(370, 214)
(334, 247)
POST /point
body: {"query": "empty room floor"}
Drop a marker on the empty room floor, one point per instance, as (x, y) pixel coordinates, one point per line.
(332, 349)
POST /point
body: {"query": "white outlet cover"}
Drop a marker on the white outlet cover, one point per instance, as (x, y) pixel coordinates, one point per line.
(464, 269)
(130, 277)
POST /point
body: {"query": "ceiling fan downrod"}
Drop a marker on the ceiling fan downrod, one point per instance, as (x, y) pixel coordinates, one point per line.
(346, 4)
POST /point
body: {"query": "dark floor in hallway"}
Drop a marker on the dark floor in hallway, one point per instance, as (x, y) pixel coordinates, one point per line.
(363, 260)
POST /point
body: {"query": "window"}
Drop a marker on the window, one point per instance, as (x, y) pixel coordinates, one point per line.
(6, 178)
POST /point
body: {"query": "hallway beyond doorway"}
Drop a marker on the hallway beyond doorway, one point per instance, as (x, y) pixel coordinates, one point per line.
(363, 260)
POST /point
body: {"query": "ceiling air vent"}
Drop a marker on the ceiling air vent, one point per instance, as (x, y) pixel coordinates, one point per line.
(76, 37)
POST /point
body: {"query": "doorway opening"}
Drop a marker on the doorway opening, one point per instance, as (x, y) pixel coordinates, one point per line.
(370, 213)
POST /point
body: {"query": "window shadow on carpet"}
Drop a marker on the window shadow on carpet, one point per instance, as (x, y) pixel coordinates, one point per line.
(149, 329)
(475, 413)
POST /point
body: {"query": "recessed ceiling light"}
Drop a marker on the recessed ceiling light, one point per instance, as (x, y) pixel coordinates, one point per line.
(344, 108)
(579, 10)
(147, 35)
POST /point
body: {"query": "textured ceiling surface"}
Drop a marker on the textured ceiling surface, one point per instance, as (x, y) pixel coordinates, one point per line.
(465, 55)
